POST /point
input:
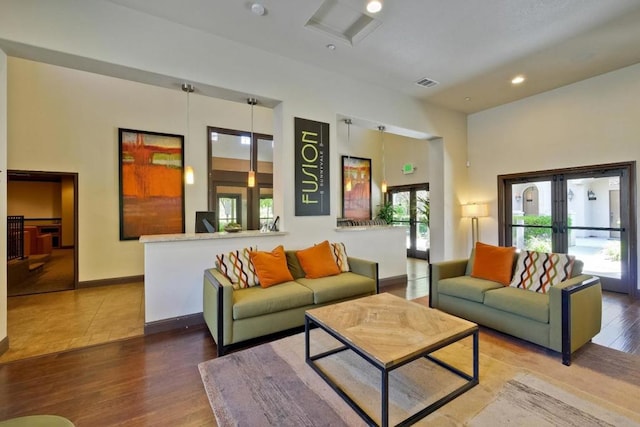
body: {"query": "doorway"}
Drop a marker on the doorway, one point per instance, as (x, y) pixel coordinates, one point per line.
(411, 209)
(46, 206)
(588, 212)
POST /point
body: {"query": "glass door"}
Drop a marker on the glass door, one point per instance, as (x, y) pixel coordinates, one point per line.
(584, 212)
(411, 210)
(594, 228)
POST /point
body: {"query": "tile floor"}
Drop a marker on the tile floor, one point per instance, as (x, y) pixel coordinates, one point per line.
(57, 321)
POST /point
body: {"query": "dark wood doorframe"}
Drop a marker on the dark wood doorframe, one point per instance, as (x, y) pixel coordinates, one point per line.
(34, 176)
(628, 208)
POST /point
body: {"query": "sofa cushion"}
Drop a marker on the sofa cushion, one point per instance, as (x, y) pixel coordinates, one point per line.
(537, 271)
(467, 287)
(317, 261)
(293, 264)
(237, 267)
(334, 288)
(271, 267)
(256, 301)
(531, 305)
(493, 263)
(339, 252)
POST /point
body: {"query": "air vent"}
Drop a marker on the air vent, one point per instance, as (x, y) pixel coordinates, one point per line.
(425, 82)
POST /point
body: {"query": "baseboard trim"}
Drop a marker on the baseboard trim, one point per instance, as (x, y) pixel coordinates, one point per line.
(394, 280)
(4, 345)
(108, 282)
(180, 322)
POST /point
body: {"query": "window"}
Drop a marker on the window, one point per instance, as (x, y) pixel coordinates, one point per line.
(229, 153)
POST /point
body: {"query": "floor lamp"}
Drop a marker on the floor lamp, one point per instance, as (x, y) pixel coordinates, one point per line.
(474, 211)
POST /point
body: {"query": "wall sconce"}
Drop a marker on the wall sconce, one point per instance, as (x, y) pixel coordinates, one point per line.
(518, 198)
(570, 195)
(473, 211)
(591, 195)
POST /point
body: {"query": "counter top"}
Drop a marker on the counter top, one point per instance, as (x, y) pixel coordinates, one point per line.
(369, 227)
(157, 238)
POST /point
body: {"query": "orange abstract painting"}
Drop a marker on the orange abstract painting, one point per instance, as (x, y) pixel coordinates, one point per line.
(151, 184)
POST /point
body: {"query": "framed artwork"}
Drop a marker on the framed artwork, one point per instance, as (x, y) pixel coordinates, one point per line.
(356, 188)
(312, 187)
(151, 183)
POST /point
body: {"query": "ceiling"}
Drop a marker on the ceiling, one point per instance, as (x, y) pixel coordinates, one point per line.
(472, 48)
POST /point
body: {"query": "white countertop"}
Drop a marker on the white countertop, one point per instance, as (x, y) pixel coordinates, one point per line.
(156, 238)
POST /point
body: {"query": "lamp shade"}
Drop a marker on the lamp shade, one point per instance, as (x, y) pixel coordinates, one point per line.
(475, 210)
(188, 175)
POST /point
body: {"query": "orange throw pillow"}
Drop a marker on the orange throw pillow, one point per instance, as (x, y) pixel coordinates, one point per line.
(271, 267)
(493, 263)
(317, 261)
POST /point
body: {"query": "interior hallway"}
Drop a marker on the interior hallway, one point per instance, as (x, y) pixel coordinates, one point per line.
(59, 321)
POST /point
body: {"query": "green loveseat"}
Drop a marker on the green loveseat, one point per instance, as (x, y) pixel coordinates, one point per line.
(563, 319)
(237, 315)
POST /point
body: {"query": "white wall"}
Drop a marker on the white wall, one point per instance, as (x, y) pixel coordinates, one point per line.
(591, 122)
(105, 36)
(66, 120)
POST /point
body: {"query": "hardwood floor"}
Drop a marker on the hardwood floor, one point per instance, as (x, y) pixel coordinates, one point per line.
(141, 381)
(154, 380)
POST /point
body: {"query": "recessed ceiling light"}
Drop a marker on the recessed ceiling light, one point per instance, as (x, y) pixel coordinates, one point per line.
(258, 9)
(374, 6)
(467, 98)
(331, 46)
(518, 79)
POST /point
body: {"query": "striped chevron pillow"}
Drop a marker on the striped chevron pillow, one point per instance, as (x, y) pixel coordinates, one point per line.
(237, 267)
(537, 271)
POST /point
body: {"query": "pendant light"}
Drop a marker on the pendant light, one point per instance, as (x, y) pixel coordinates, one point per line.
(188, 171)
(383, 185)
(348, 184)
(251, 178)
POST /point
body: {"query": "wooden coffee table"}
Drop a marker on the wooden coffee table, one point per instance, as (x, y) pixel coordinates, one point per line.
(389, 332)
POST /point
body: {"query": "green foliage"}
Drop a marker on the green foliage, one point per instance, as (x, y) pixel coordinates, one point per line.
(538, 244)
(386, 212)
(611, 251)
(423, 210)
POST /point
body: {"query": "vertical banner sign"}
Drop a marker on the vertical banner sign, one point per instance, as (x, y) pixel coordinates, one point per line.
(312, 168)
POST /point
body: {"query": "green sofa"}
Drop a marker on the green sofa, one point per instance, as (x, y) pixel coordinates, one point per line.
(235, 316)
(563, 319)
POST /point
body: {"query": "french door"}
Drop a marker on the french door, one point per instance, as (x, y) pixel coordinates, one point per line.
(588, 212)
(411, 204)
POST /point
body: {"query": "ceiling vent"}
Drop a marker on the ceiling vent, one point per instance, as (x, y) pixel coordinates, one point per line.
(338, 19)
(425, 82)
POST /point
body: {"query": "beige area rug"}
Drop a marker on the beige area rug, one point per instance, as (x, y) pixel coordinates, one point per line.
(520, 385)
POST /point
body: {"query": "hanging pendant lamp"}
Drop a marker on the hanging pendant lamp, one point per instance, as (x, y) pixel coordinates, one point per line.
(348, 183)
(188, 171)
(251, 177)
(383, 185)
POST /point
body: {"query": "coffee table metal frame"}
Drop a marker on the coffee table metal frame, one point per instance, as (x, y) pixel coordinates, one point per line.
(472, 380)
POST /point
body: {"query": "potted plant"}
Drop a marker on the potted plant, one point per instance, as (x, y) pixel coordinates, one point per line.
(386, 212)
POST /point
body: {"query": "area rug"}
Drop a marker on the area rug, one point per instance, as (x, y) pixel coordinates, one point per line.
(271, 385)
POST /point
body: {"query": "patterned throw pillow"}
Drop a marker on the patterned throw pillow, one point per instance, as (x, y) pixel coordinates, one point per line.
(340, 255)
(237, 267)
(537, 271)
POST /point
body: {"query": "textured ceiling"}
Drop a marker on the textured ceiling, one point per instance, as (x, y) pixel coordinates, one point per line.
(471, 47)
